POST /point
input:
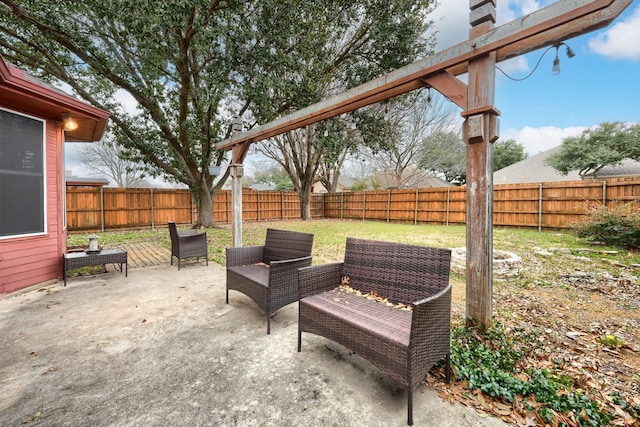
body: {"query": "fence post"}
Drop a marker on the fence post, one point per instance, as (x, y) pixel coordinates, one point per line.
(415, 213)
(604, 193)
(448, 206)
(282, 205)
(388, 204)
(258, 195)
(341, 205)
(540, 208)
(153, 215)
(364, 204)
(102, 208)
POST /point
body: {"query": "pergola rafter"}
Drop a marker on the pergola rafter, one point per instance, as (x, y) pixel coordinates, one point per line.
(487, 45)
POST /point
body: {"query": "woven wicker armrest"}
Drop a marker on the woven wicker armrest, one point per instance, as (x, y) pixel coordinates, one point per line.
(289, 264)
(245, 255)
(430, 331)
(193, 238)
(319, 278)
(185, 233)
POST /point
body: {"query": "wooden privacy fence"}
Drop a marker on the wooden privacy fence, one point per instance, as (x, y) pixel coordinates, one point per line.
(541, 205)
(90, 208)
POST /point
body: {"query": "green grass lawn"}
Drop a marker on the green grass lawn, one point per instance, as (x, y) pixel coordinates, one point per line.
(330, 237)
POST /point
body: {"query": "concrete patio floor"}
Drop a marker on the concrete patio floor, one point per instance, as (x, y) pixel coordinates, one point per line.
(161, 348)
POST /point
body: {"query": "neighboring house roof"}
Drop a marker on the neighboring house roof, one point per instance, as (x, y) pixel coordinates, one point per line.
(628, 167)
(419, 179)
(433, 181)
(71, 180)
(534, 169)
(27, 93)
(344, 184)
(261, 186)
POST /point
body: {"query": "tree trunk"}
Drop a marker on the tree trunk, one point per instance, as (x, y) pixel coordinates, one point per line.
(305, 202)
(204, 204)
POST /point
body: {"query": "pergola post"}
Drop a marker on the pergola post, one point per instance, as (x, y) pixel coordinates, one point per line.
(479, 133)
(236, 203)
(238, 153)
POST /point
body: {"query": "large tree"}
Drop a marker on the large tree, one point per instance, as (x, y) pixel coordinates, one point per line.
(507, 152)
(181, 60)
(327, 47)
(605, 145)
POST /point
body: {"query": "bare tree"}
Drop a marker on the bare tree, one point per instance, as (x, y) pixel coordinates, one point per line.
(105, 159)
(423, 115)
(444, 153)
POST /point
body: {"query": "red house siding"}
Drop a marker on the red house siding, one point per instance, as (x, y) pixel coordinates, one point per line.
(25, 261)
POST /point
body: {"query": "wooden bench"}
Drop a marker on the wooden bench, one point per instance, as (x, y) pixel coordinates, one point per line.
(403, 344)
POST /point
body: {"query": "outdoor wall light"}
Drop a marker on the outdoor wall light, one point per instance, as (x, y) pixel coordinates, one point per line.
(556, 62)
(68, 123)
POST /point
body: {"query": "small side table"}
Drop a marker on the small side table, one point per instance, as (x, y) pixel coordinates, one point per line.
(75, 260)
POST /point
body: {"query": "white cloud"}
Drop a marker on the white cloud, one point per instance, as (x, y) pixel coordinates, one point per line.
(536, 140)
(451, 21)
(527, 6)
(621, 40)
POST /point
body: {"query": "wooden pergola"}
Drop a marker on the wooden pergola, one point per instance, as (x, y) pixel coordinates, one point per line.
(477, 56)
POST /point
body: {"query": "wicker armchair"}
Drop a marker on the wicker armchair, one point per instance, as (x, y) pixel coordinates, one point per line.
(268, 274)
(187, 244)
(402, 344)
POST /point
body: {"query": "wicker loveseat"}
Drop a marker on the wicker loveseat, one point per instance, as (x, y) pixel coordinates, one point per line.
(404, 344)
(268, 274)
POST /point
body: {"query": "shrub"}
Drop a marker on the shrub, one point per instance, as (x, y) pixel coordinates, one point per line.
(618, 226)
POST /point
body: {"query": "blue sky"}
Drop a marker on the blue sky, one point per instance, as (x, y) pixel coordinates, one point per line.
(601, 83)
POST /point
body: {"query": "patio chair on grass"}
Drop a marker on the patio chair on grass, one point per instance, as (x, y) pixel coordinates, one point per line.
(268, 274)
(187, 244)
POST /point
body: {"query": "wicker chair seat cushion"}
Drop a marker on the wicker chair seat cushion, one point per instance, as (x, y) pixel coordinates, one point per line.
(257, 273)
(360, 315)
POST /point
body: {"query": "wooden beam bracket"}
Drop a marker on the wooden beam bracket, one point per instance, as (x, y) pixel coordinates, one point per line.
(450, 86)
(239, 152)
(486, 109)
(237, 171)
(482, 124)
